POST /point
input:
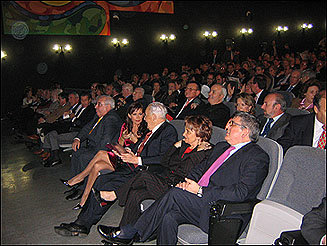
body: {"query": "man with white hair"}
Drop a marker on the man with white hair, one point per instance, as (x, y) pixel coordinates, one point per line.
(101, 130)
(216, 110)
(149, 152)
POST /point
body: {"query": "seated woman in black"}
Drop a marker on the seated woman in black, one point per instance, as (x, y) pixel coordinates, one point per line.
(131, 133)
(177, 163)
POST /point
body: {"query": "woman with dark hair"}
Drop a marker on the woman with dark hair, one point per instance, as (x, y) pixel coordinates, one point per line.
(245, 103)
(131, 133)
(100, 90)
(305, 100)
(157, 180)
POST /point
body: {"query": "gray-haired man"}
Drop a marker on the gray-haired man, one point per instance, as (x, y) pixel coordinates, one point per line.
(149, 152)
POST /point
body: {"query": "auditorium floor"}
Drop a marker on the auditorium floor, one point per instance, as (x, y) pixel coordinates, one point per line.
(32, 199)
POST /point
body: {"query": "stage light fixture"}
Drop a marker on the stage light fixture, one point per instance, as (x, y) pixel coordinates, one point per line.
(3, 54)
(62, 49)
(117, 43)
(214, 34)
(282, 28)
(165, 38)
(248, 31)
(306, 26)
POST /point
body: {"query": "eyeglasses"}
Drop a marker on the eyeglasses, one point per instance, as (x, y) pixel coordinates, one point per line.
(232, 123)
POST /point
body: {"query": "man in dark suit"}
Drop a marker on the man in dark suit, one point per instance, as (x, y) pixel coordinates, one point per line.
(101, 130)
(149, 152)
(274, 119)
(295, 85)
(216, 110)
(78, 120)
(307, 130)
(234, 171)
(192, 92)
(313, 226)
(258, 85)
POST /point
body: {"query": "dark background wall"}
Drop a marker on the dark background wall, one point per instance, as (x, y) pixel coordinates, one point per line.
(94, 59)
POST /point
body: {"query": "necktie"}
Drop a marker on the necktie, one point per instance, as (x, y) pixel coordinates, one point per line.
(204, 181)
(267, 127)
(141, 147)
(95, 125)
(290, 88)
(185, 105)
(322, 139)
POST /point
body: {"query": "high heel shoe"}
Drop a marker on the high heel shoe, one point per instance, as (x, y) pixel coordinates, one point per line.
(65, 182)
(77, 207)
(97, 196)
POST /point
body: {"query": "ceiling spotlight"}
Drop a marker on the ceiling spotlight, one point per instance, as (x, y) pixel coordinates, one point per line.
(250, 31)
(124, 41)
(56, 47)
(3, 54)
(115, 41)
(285, 28)
(172, 37)
(206, 34)
(310, 26)
(243, 30)
(214, 34)
(68, 48)
(163, 37)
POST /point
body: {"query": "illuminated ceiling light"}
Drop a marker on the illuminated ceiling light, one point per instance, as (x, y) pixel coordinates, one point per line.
(310, 26)
(68, 47)
(243, 30)
(279, 28)
(214, 34)
(206, 34)
(304, 25)
(124, 41)
(3, 54)
(285, 28)
(250, 31)
(115, 41)
(56, 47)
(163, 37)
(172, 37)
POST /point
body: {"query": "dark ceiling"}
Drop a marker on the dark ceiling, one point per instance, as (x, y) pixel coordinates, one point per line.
(93, 59)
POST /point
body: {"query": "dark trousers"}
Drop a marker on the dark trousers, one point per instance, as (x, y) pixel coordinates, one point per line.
(163, 217)
(92, 212)
(145, 185)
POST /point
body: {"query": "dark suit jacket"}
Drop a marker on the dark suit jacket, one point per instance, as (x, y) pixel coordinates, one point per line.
(298, 132)
(107, 131)
(262, 97)
(85, 117)
(218, 114)
(188, 110)
(278, 128)
(313, 226)
(158, 144)
(238, 179)
(296, 90)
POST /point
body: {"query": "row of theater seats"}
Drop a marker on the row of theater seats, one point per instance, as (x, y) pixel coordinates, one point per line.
(294, 185)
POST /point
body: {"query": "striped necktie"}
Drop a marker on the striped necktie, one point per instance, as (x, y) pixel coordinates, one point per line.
(95, 125)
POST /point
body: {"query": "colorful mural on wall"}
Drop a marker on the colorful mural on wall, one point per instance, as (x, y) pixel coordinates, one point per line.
(70, 17)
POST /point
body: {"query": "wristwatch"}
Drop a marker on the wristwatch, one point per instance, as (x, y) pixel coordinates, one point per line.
(199, 194)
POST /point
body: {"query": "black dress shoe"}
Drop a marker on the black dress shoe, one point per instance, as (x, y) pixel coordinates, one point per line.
(106, 231)
(65, 182)
(77, 207)
(71, 229)
(120, 241)
(101, 201)
(77, 194)
(111, 235)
